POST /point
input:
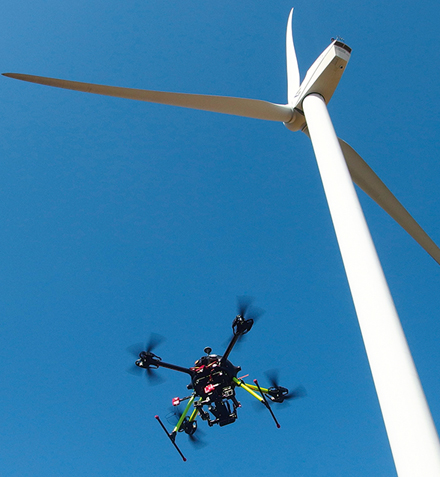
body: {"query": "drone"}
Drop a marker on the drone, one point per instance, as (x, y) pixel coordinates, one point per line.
(214, 381)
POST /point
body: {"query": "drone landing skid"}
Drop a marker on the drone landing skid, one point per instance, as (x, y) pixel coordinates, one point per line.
(171, 437)
(267, 404)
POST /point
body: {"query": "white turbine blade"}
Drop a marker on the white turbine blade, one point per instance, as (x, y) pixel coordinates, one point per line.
(293, 79)
(250, 108)
(368, 181)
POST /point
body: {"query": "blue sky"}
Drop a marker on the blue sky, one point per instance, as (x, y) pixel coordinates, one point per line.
(121, 218)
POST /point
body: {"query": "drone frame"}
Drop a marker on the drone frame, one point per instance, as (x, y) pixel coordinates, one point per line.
(188, 424)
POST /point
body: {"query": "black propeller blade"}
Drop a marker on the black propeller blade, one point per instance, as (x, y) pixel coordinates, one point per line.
(136, 349)
(154, 341)
(197, 441)
(243, 303)
(273, 378)
(153, 377)
(246, 310)
(298, 392)
(134, 370)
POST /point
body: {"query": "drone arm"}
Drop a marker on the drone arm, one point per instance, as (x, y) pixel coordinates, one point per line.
(174, 367)
(240, 327)
(263, 391)
(258, 388)
(194, 414)
(230, 346)
(248, 388)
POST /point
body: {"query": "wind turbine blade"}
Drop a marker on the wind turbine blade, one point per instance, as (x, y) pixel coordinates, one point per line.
(293, 79)
(250, 108)
(370, 183)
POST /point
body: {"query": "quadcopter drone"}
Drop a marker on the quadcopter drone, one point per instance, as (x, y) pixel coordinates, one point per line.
(213, 382)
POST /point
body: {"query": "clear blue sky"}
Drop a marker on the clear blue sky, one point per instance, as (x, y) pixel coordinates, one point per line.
(120, 218)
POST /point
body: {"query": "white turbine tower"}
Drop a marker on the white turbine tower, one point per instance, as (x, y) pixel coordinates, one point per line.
(411, 432)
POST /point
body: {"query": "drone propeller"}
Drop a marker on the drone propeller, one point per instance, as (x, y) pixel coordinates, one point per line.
(246, 310)
(243, 322)
(154, 378)
(243, 303)
(175, 414)
(196, 441)
(137, 349)
(134, 370)
(273, 375)
(154, 341)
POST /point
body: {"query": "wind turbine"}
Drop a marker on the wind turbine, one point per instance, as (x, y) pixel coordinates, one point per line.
(412, 435)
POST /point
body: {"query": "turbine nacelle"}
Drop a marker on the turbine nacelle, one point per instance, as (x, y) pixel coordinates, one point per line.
(321, 78)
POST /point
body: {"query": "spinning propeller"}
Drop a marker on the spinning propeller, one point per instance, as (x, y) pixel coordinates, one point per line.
(141, 352)
(246, 310)
(188, 427)
(243, 322)
(272, 376)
